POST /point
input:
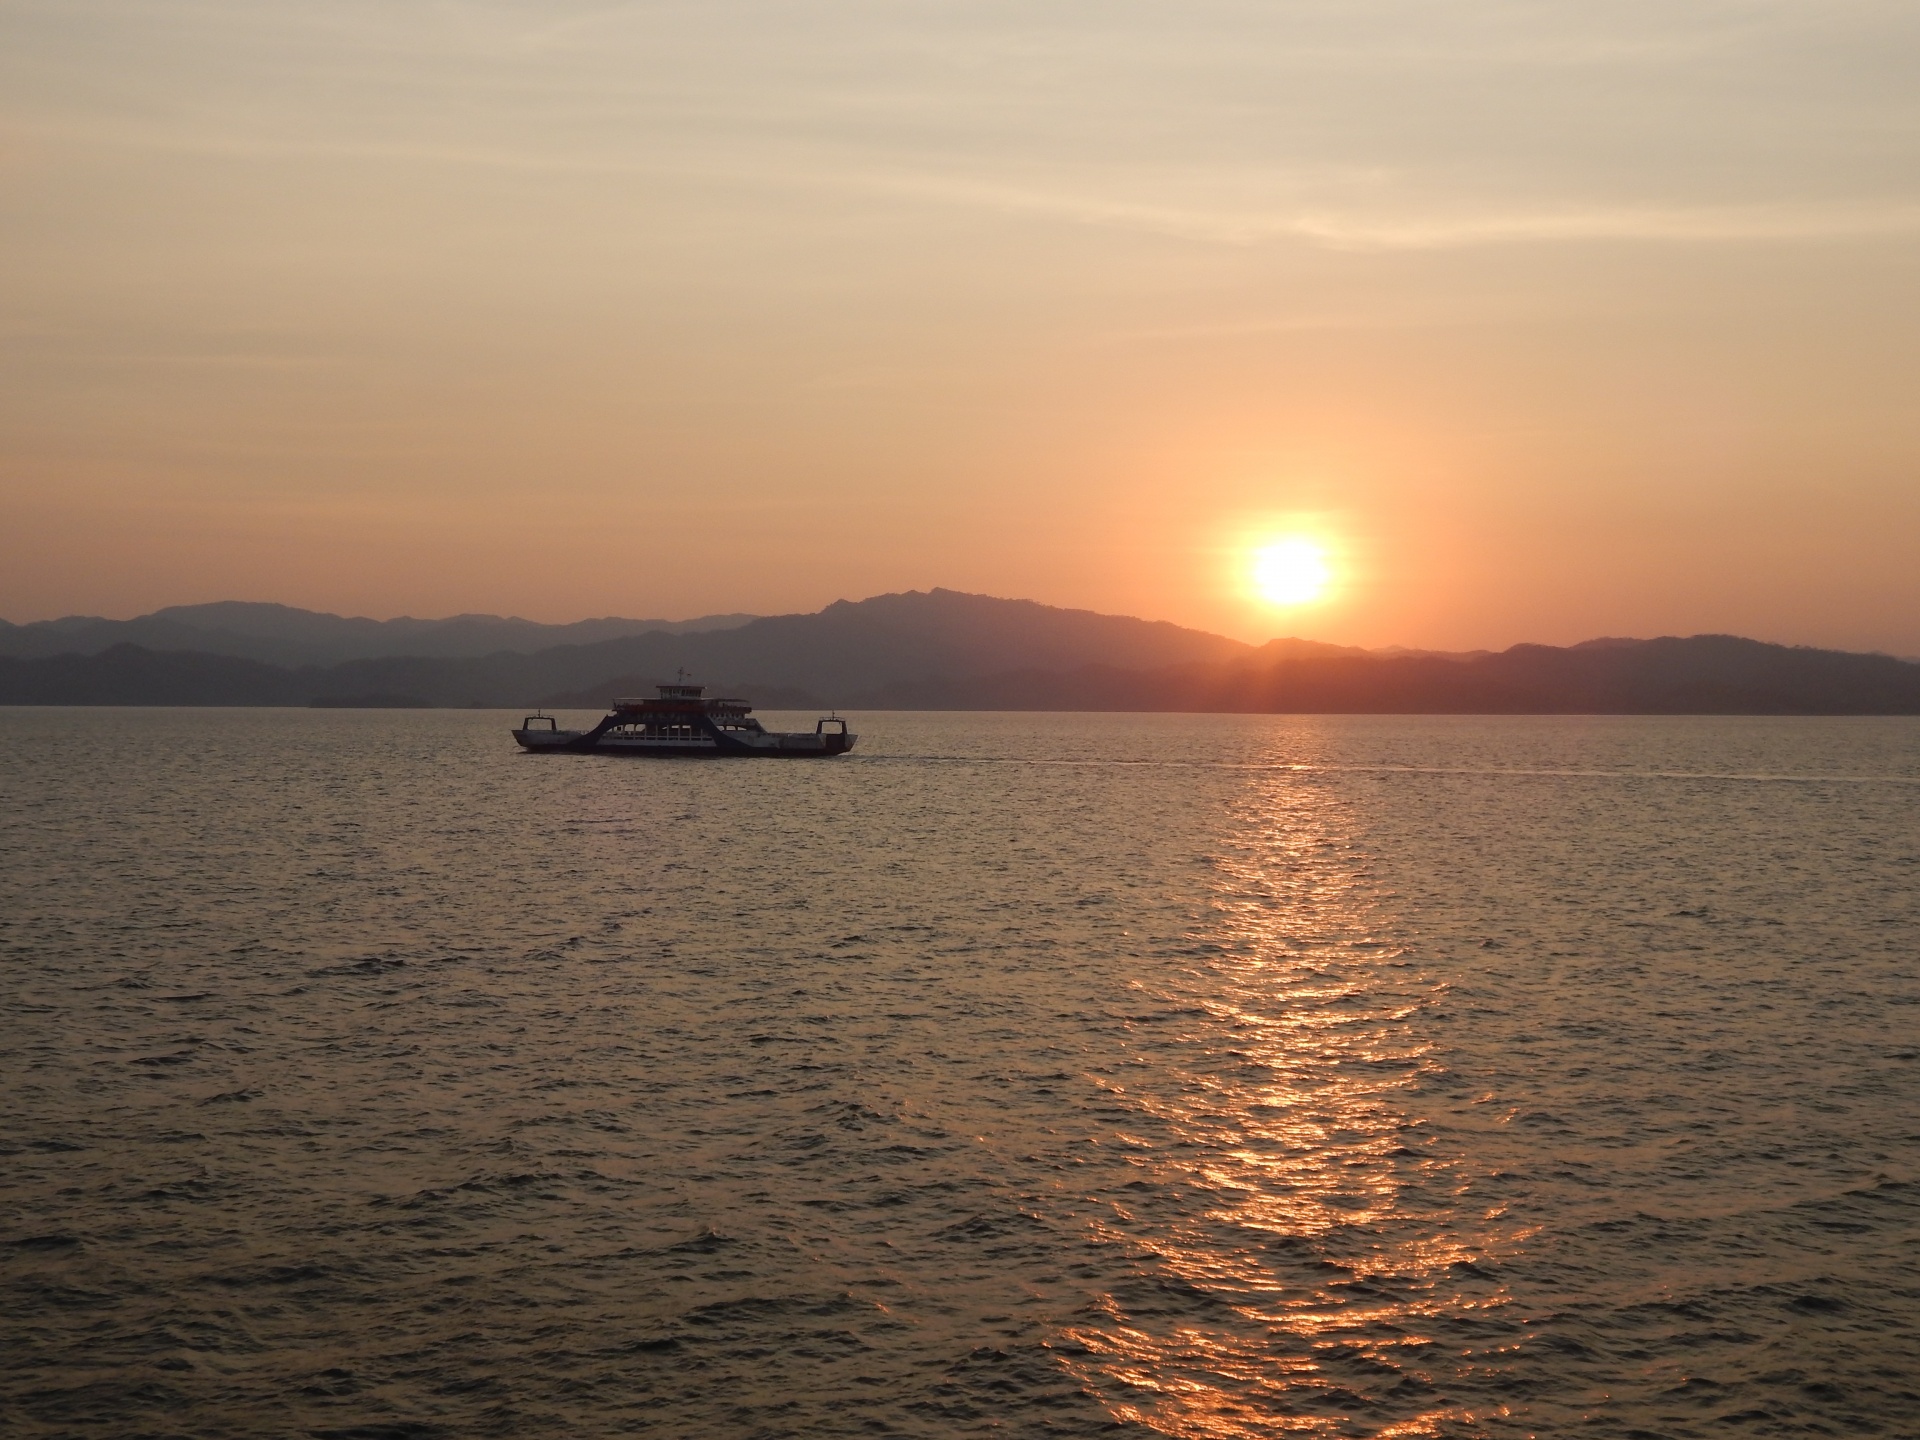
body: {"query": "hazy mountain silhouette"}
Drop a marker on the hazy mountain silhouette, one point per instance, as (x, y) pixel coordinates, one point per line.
(945, 650)
(1699, 675)
(283, 635)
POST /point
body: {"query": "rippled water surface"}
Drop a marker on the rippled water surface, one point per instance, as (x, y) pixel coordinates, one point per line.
(1040, 1075)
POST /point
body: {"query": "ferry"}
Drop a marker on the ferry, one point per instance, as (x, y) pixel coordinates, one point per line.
(682, 721)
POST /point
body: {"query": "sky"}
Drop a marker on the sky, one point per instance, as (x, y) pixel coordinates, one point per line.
(1542, 320)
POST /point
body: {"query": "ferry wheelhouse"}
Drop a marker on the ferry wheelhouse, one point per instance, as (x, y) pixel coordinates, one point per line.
(681, 720)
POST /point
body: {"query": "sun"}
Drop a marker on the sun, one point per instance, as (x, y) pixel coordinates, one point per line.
(1291, 572)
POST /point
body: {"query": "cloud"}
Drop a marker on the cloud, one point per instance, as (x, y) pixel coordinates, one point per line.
(1378, 228)
(1316, 212)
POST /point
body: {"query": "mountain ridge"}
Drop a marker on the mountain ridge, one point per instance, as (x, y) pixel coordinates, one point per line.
(944, 649)
(286, 635)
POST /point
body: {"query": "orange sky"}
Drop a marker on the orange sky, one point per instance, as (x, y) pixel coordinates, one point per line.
(1554, 320)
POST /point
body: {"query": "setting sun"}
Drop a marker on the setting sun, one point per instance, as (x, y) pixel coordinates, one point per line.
(1291, 572)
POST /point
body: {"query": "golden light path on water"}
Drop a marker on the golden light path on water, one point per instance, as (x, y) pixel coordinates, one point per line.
(1328, 1239)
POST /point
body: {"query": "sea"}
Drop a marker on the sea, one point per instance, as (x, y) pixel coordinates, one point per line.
(362, 1077)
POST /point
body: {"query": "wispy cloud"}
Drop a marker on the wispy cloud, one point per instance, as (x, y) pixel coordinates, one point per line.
(1318, 213)
(1414, 229)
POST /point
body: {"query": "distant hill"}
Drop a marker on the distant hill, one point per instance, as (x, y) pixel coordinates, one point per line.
(283, 635)
(1699, 675)
(847, 649)
(130, 675)
(946, 650)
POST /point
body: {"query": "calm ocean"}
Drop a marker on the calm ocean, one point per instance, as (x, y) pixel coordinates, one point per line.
(1019, 1074)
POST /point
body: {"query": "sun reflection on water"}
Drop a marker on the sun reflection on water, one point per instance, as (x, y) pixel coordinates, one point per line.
(1302, 1265)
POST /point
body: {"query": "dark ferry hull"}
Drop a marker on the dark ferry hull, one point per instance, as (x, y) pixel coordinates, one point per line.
(682, 752)
(636, 728)
(584, 743)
